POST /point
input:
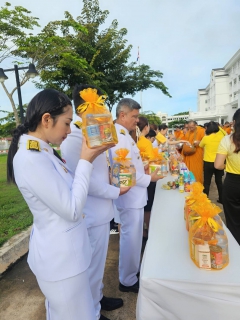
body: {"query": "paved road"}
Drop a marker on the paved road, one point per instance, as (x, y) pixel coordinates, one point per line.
(20, 297)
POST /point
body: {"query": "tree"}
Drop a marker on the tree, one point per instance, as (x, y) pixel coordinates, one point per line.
(8, 123)
(77, 50)
(152, 117)
(175, 123)
(14, 24)
(182, 113)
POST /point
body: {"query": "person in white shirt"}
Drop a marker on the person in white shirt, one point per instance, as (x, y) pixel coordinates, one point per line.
(98, 209)
(59, 247)
(131, 205)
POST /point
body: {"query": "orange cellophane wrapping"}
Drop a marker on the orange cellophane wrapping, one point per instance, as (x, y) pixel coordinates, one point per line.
(126, 166)
(95, 104)
(205, 228)
(144, 155)
(157, 157)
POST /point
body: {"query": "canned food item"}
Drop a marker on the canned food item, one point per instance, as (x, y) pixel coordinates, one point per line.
(216, 257)
(125, 179)
(94, 138)
(153, 167)
(106, 132)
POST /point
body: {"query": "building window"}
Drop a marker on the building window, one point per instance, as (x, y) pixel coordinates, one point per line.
(235, 81)
(230, 83)
(234, 94)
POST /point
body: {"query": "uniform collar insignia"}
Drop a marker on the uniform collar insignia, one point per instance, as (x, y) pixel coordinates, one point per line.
(78, 124)
(33, 145)
(122, 131)
(64, 168)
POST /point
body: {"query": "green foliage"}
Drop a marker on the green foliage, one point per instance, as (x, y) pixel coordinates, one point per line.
(8, 123)
(172, 124)
(13, 25)
(182, 113)
(14, 213)
(79, 50)
(152, 117)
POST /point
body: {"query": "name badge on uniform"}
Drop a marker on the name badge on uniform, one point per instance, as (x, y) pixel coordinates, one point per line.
(122, 131)
(33, 145)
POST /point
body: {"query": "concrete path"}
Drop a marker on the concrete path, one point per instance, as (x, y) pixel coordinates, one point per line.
(21, 299)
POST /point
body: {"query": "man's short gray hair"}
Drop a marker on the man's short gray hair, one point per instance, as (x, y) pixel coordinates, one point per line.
(126, 105)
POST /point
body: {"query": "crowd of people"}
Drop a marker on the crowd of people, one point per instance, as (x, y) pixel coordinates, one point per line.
(72, 200)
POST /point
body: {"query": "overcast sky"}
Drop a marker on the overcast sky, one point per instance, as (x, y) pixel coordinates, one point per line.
(184, 39)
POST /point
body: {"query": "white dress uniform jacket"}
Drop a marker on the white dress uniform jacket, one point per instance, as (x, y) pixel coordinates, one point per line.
(59, 245)
(136, 197)
(99, 206)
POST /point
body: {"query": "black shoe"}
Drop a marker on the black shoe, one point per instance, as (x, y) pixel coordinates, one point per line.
(110, 304)
(134, 288)
(103, 318)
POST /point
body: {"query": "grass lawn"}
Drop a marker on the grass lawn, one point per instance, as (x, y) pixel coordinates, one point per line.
(14, 213)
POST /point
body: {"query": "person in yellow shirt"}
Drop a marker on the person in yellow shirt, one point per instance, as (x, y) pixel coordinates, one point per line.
(210, 143)
(162, 139)
(145, 146)
(229, 151)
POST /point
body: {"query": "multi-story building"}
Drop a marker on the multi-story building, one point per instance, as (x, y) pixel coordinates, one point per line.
(166, 119)
(220, 99)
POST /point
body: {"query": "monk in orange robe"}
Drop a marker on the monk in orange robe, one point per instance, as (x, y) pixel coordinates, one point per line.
(194, 162)
(178, 134)
(227, 128)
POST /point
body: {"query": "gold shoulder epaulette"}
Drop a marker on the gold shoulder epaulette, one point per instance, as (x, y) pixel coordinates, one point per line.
(78, 124)
(33, 145)
(122, 131)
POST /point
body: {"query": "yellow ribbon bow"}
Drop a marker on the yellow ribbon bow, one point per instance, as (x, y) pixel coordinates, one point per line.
(206, 213)
(121, 155)
(92, 101)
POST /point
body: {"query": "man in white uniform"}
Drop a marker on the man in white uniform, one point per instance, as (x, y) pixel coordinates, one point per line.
(131, 205)
(98, 208)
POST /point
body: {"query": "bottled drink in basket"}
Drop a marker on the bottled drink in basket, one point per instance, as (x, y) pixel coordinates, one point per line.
(93, 133)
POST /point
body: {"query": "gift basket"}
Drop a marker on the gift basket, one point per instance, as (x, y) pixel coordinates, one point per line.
(97, 123)
(123, 172)
(208, 243)
(196, 194)
(144, 156)
(158, 162)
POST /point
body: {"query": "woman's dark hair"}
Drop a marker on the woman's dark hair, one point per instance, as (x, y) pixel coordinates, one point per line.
(212, 127)
(47, 101)
(162, 127)
(142, 123)
(77, 100)
(236, 133)
(151, 134)
(153, 126)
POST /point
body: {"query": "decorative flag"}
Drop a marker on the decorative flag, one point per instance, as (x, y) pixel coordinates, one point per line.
(138, 57)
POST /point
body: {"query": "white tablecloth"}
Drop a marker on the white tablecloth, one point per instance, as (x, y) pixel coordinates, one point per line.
(171, 286)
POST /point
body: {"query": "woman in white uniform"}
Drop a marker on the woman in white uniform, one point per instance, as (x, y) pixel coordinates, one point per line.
(59, 248)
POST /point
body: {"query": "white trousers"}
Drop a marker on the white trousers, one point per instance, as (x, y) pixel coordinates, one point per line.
(116, 215)
(99, 238)
(130, 244)
(68, 299)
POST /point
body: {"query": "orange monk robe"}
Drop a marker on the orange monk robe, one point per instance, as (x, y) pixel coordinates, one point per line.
(195, 161)
(227, 129)
(179, 135)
